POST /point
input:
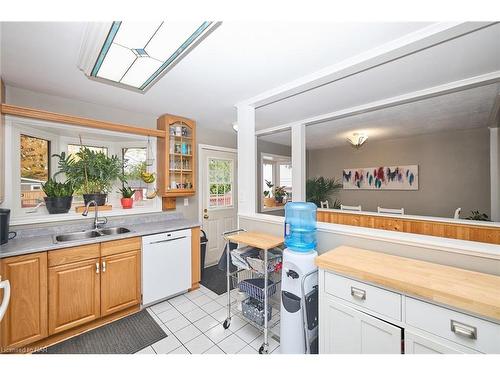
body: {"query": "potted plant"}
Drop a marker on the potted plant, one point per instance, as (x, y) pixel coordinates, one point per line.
(268, 200)
(91, 173)
(476, 215)
(127, 192)
(279, 193)
(320, 189)
(59, 196)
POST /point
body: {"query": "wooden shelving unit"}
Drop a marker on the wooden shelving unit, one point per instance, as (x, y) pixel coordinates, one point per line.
(176, 159)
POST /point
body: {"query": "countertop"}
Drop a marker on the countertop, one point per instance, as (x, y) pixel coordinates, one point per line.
(35, 244)
(417, 217)
(473, 292)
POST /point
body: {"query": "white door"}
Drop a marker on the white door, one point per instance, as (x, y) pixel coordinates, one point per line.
(218, 196)
(344, 330)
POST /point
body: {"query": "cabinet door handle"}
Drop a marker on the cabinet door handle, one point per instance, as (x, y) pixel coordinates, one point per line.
(97, 267)
(103, 266)
(463, 330)
(358, 293)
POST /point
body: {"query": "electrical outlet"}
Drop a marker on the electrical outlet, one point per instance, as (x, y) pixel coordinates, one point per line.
(186, 202)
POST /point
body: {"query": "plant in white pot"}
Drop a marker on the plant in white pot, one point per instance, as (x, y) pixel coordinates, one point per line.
(91, 173)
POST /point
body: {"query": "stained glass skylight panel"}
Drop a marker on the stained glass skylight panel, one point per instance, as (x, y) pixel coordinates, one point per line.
(136, 53)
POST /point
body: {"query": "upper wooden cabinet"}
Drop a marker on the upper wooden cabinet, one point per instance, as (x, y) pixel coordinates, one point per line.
(176, 158)
(26, 318)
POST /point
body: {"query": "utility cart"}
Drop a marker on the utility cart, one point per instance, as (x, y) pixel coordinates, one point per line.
(259, 253)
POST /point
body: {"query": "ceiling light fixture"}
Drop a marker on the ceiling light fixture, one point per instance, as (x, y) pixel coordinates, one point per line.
(357, 140)
(137, 54)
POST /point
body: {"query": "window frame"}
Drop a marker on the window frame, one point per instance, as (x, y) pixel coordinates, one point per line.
(14, 126)
(232, 182)
(276, 162)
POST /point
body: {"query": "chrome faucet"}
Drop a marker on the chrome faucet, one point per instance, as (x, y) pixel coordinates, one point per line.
(98, 223)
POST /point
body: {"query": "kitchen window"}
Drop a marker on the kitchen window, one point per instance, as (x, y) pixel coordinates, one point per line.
(35, 168)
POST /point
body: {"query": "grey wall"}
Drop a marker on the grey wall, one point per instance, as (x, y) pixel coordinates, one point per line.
(454, 171)
(268, 148)
(27, 98)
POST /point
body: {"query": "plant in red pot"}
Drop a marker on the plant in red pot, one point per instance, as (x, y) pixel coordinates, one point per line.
(127, 193)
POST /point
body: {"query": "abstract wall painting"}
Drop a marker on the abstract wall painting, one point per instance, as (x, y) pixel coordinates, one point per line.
(404, 177)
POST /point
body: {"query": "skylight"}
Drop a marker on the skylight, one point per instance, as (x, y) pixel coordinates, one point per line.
(135, 54)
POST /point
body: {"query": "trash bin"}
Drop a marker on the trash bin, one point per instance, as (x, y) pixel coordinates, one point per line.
(203, 250)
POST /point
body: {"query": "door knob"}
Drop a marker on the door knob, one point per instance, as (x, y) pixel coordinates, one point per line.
(205, 216)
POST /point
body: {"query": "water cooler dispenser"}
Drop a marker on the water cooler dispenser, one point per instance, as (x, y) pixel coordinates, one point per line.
(299, 280)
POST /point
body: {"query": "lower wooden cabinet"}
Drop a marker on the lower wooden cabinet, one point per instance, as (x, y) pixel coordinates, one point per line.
(344, 330)
(120, 281)
(74, 294)
(26, 318)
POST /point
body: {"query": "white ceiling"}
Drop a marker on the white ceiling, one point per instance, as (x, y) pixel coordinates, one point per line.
(470, 55)
(239, 60)
(460, 110)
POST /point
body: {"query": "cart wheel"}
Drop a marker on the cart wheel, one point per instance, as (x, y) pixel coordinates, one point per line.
(262, 350)
(226, 323)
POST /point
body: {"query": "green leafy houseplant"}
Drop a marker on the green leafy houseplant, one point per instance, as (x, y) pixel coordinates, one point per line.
(279, 193)
(320, 189)
(59, 196)
(127, 193)
(476, 215)
(91, 173)
(268, 201)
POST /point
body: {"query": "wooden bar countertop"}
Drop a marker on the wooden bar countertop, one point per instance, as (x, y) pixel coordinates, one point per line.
(469, 291)
(259, 240)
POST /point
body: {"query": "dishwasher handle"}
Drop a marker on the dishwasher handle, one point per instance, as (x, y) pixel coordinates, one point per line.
(166, 240)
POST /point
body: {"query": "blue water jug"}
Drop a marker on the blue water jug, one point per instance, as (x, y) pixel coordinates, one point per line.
(300, 226)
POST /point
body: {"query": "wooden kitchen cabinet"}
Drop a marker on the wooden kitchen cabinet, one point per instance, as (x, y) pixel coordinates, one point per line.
(120, 281)
(176, 159)
(74, 294)
(26, 318)
(348, 331)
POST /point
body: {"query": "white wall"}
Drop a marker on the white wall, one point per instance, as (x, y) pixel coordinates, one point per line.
(47, 102)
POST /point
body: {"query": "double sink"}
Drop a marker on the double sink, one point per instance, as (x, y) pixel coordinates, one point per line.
(77, 236)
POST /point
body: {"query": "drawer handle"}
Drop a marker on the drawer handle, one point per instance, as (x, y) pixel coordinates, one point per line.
(97, 267)
(358, 293)
(464, 330)
(103, 266)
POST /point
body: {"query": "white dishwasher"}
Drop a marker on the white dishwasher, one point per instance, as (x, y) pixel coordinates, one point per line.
(166, 265)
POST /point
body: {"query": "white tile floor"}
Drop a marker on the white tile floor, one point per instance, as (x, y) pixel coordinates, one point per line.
(193, 323)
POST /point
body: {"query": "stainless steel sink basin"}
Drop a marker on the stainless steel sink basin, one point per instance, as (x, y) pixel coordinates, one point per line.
(117, 230)
(76, 236)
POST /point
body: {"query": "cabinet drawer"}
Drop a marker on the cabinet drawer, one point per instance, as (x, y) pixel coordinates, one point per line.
(120, 246)
(370, 297)
(463, 329)
(73, 254)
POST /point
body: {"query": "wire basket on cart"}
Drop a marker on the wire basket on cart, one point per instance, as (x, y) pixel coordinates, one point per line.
(253, 310)
(255, 288)
(257, 264)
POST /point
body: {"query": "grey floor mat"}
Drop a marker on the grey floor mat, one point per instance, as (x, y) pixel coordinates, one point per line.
(125, 336)
(215, 280)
